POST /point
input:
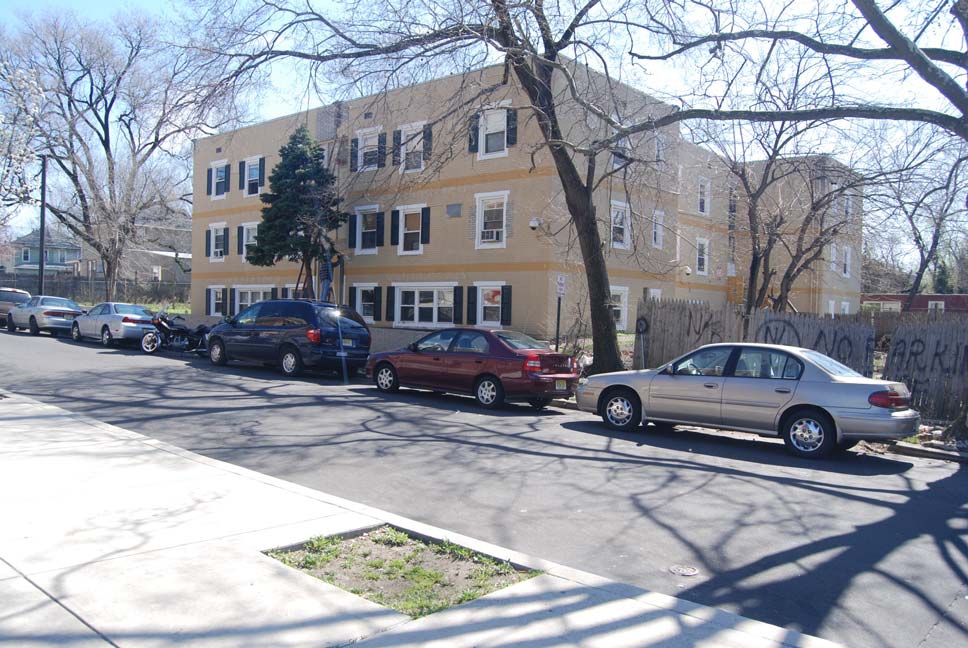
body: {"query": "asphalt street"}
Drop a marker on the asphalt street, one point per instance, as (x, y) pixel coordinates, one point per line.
(863, 549)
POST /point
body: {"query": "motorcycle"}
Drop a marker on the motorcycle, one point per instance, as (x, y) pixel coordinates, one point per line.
(171, 334)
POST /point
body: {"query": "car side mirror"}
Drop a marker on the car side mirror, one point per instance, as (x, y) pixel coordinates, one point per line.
(413, 347)
(229, 320)
(83, 312)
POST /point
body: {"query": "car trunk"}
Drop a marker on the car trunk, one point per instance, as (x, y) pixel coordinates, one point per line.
(551, 362)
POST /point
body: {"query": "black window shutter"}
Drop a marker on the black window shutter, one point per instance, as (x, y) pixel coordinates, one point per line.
(228, 178)
(353, 292)
(208, 301)
(225, 301)
(208, 242)
(505, 305)
(240, 230)
(395, 227)
(428, 142)
(273, 293)
(472, 305)
(379, 229)
(425, 225)
(262, 171)
(458, 304)
(381, 150)
(208, 182)
(285, 292)
(377, 303)
(397, 145)
(512, 126)
(473, 128)
(391, 296)
(351, 235)
(242, 175)
(354, 153)
(231, 305)
(225, 238)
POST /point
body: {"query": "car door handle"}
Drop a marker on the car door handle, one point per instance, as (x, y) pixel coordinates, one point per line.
(478, 362)
(711, 385)
(782, 390)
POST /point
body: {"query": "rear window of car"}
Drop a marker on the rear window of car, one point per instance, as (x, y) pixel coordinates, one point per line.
(517, 340)
(57, 302)
(348, 319)
(131, 309)
(830, 365)
(13, 296)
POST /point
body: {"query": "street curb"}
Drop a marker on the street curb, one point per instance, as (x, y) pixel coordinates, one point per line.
(915, 450)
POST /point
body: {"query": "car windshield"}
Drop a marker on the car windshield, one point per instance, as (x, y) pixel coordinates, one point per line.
(517, 340)
(830, 365)
(57, 302)
(13, 296)
(348, 319)
(131, 309)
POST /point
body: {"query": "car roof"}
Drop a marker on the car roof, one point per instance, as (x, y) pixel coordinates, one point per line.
(19, 290)
(758, 345)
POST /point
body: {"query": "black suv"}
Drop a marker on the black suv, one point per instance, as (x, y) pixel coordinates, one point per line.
(292, 334)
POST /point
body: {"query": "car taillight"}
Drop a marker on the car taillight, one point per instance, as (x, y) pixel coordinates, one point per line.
(155, 321)
(887, 399)
(314, 335)
(131, 320)
(54, 314)
(532, 364)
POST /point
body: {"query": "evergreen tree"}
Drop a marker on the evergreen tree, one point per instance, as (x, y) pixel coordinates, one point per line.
(301, 208)
(942, 281)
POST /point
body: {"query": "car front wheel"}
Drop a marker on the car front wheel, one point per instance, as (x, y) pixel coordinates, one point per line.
(809, 433)
(11, 327)
(32, 325)
(216, 353)
(150, 342)
(489, 392)
(621, 409)
(76, 332)
(106, 337)
(290, 362)
(386, 379)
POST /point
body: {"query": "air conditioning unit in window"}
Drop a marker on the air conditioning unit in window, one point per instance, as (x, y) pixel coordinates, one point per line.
(218, 254)
(491, 236)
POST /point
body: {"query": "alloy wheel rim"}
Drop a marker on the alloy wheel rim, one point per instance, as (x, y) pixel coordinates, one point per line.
(216, 352)
(384, 378)
(487, 392)
(806, 435)
(150, 342)
(105, 337)
(76, 332)
(289, 362)
(619, 411)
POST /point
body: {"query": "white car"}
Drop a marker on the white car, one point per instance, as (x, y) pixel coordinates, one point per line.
(112, 321)
(43, 313)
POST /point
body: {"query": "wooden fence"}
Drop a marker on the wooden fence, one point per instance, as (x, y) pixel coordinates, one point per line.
(932, 360)
(846, 340)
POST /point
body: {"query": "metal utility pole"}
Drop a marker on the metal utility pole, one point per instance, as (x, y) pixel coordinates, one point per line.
(43, 223)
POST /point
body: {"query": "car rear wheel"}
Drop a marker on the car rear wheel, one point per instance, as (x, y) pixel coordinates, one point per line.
(76, 332)
(621, 409)
(11, 327)
(539, 403)
(489, 392)
(386, 379)
(150, 342)
(809, 433)
(106, 338)
(290, 362)
(32, 325)
(216, 353)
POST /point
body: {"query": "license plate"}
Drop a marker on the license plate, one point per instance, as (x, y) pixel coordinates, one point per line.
(561, 385)
(68, 317)
(341, 354)
(347, 342)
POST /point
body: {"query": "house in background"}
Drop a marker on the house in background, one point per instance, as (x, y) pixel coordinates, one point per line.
(894, 303)
(160, 252)
(60, 254)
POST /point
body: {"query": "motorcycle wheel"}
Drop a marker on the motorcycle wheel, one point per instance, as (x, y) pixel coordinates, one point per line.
(150, 342)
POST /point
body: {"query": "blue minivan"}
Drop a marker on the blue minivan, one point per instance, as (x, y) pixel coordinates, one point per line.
(292, 334)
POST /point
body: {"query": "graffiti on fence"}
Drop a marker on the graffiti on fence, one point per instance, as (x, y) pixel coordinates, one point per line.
(847, 342)
(932, 359)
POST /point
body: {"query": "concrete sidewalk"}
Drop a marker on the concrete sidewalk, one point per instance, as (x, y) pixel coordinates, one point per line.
(108, 537)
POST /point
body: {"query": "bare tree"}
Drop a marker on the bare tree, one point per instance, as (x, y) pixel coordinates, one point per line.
(119, 108)
(17, 129)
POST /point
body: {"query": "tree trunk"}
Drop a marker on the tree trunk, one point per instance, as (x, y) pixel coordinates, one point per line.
(111, 267)
(958, 428)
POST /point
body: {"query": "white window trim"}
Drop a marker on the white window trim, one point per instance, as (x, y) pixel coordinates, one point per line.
(833, 256)
(934, 304)
(832, 307)
(479, 199)
(481, 155)
(213, 227)
(211, 301)
(623, 291)
(845, 308)
(398, 305)
(661, 150)
(411, 129)
(360, 134)
(658, 229)
(424, 284)
(251, 161)
(236, 289)
(846, 267)
(292, 289)
(624, 206)
(27, 250)
(400, 228)
(214, 167)
(705, 271)
(704, 182)
(480, 302)
(245, 228)
(678, 246)
(654, 294)
(359, 287)
(359, 211)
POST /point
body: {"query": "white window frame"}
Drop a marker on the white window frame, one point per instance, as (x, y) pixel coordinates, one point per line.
(658, 227)
(846, 268)
(678, 246)
(845, 308)
(833, 256)
(935, 305)
(408, 131)
(832, 307)
(704, 243)
(401, 227)
(215, 167)
(292, 289)
(479, 199)
(419, 285)
(359, 288)
(25, 255)
(623, 292)
(361, 136)
(250, 226)
(216, 229)
(251, 163)
(626, 242)
(216, 290)
(236, 290)
(655, 294)
(703, 196)
(359, 250)
(848, 206)
(620, 159)
(482, 132)
(156, 272)
(661, 149)
(478, 286)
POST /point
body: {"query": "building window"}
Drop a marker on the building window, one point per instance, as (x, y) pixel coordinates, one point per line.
(845, 308)
(731, 264)
(494, 125)
(62, 256)
(620, 225)
(731, 211)
(704, 188)
(660, 148)
(156, 273)
(410, 230)
(369, 152)
(936, 306)
(366, 302)
(678, 246)
(655, 294)
(619, 306)
(833, 256)
(702, 256)
(426, 306)
(848, 206)
(221, 180)
(250, 234)
(368, 227)
(491, 219)
(831, 307)
(489, 305)
(658, 228)
(252, 177)
(25, 254)
(412, 147)
(245, 296)
(219, 244)
(846, 268)
(216, 305)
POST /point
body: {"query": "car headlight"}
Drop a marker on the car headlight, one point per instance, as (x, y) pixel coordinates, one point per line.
(583, 380)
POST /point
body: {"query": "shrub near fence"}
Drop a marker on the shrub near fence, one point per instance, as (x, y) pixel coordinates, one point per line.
(91, 291)
(932, 360)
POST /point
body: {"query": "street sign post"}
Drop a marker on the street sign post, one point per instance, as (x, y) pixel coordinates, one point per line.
(560, 283)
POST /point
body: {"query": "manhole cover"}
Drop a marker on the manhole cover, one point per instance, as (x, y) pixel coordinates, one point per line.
(683, 570)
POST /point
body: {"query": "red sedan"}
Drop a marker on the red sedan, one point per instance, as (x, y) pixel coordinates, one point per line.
(495, 365)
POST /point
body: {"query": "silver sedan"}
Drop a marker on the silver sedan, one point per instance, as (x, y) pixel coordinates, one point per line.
(112, 321)
(813, 402)
(43, 313)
